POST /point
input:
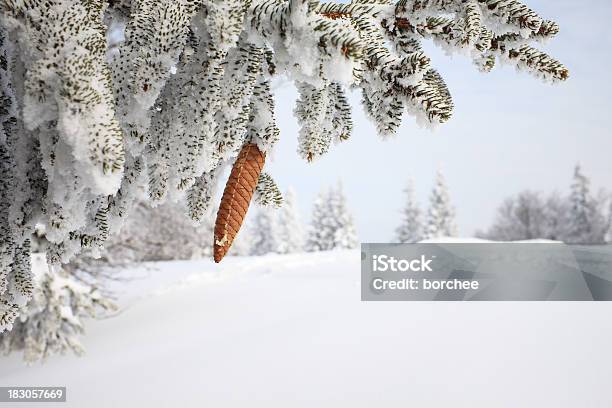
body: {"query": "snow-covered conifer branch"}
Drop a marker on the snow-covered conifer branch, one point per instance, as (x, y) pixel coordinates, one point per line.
(85, 131)
(267, 193)
(53, 321)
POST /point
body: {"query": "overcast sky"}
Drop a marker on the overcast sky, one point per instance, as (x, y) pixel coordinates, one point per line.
(509, 132)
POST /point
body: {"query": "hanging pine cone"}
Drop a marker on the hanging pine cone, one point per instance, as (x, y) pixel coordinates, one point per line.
(237, 197)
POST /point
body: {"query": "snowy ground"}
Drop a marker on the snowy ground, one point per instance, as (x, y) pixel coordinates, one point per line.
(291, 331)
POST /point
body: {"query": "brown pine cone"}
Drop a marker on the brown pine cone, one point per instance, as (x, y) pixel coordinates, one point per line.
(237, 197)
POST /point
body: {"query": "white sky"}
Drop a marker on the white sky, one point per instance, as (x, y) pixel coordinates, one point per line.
(510, 132)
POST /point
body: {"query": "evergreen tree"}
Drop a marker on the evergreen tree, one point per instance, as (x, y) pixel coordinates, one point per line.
(320, 236)
(441, 214)
(345, 235)
(411, 228)
(291, 233)
(332, 223)
(587, 221)
(80, 135)
(265, 237)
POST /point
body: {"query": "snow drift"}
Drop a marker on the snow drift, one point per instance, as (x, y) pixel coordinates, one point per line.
(290, 330)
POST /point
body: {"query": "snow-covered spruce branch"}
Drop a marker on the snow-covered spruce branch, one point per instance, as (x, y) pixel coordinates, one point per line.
(52, 322)
(85, 128)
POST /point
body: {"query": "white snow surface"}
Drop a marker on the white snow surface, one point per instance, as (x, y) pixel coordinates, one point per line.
(291, 331)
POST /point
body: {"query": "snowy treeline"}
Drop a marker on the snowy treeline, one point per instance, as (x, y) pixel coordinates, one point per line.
(440, 219)
(579, 217)
(83, 130)
(331, 225)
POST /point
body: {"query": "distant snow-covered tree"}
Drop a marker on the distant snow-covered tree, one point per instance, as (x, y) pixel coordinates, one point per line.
(345, 235)
(265, 232)
(588, 223)
(82, 129)
(331, 225)
(554, 220)
(291, 232)
(520, 218)
(411, 228)
(52, 322)
(441, 213)
(320, 237)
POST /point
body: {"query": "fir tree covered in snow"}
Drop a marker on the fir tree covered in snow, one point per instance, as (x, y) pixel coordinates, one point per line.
(291, 232)
(411, 227)
(319, 236)
(83, 130)
(52, 322)
(331, 226)
(345, 235)
(441, 213)
(265, 232)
